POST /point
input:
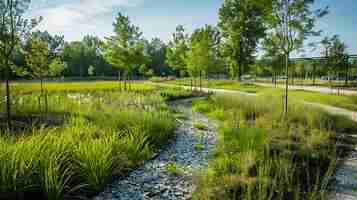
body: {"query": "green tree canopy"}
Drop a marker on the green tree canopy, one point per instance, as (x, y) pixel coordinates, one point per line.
(291, 22)
(242, 23)
(156, 49)
(203, 53)
(177, 50)
(125, 50)
(37, 58)
(80, 55)
(55, 42)
(56, 67)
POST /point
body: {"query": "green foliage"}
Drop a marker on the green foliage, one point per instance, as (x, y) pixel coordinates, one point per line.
(55, 42)
(172, 168)
(336, 53)
(125, 50)
(242, 24)
(91, 70)
(177, 50)
(156, 50)
(21, 88)
(203, 53)
(37, 58)
(200, 126)
(199, 147)
(260, 157)
(174, 93)
(292, 22)
(94, 160)
(56, 67)
(144, 70)
(103, 134)
(14, 28)
(80, 55)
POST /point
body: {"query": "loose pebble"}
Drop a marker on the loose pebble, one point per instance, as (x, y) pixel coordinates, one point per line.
(153, 181)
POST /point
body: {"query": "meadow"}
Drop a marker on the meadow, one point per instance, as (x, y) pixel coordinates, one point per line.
(25, 87)
(262, 154)
(83, 137)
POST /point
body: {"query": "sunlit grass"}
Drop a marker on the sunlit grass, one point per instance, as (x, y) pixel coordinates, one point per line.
(101, 135)
(263, 155)
(221, 84)
(18, 87)
(347, 102)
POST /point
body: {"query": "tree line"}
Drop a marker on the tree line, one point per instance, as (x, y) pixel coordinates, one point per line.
(277, 27)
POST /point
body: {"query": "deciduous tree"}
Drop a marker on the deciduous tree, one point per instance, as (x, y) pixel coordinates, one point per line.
(125, 50)
(242, 23)
(203, 54)
(291, 22)
(13, 28)
(177, 50)
(38, 59)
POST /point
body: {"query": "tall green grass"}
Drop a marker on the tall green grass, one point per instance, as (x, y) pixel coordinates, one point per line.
(101, 135)
(263, 155)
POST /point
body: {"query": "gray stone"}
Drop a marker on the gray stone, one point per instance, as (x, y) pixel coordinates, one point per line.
(153, 181)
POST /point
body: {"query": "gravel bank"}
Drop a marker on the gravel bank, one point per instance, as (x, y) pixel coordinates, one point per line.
(170, 174)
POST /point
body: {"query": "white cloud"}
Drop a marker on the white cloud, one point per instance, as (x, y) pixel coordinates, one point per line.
(75, 15)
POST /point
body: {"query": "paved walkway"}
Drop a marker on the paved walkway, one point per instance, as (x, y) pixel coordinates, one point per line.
(324, 90)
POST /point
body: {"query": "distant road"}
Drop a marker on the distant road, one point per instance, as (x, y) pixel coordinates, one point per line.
(325, 90)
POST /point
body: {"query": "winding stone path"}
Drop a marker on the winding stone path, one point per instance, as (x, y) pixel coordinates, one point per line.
(158, 178)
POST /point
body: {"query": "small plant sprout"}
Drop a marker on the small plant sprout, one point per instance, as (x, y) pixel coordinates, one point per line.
(200, 126)
(199, 147)
(172, 168)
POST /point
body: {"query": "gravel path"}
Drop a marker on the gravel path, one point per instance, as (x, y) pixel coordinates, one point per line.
(158, 178)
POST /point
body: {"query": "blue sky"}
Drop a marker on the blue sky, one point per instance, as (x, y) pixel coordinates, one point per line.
(158, 18)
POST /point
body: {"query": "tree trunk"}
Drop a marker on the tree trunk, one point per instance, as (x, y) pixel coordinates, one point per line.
(125, 80)
(314, 75)
(44, 95)
(191, 85)
(346, 72)
(200, 80)
(130, 78)
(119, 80)
(292, 76)
(286, 83)
(41, 86)
(41, 96)
(8, 100)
